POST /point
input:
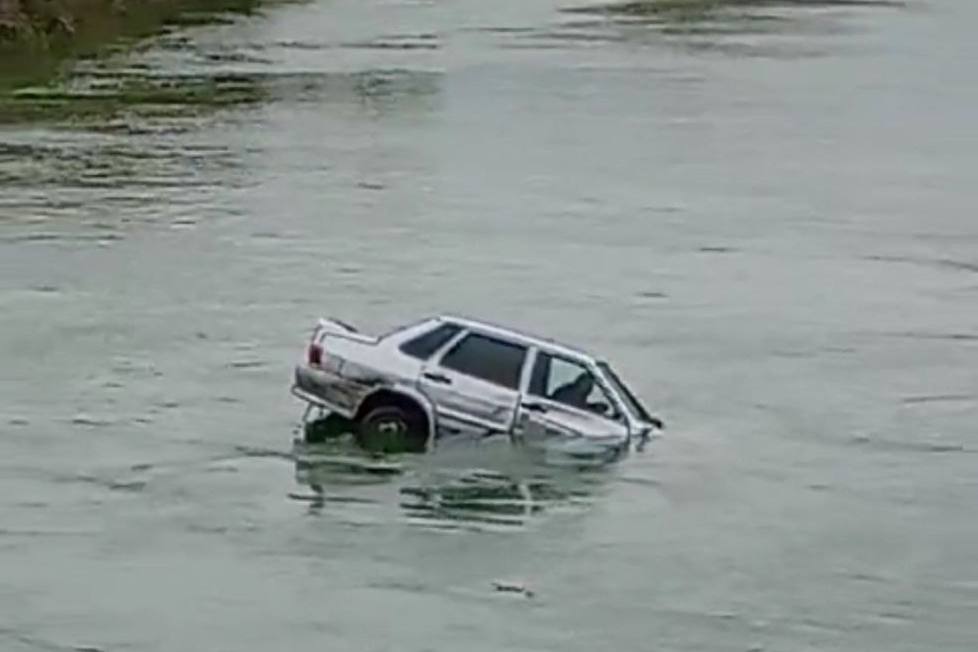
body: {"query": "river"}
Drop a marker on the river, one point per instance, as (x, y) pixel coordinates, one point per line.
(762, 212)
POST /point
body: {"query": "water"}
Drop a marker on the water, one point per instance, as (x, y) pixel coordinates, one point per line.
(761, 211)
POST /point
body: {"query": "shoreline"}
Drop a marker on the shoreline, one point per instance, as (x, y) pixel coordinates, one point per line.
(36, 36)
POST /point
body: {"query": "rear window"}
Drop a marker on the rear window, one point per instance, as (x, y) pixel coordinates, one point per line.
(424, 346)
(492, 360)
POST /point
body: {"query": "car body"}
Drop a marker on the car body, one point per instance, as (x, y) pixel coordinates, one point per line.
(458, 377)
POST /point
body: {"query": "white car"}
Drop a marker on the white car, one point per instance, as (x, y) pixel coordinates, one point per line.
(448, 376)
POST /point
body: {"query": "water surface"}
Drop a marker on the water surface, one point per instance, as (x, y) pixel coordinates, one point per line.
(760, 211)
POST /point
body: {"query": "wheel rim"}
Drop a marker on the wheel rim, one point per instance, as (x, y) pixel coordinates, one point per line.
(390, 427)
(387, 434)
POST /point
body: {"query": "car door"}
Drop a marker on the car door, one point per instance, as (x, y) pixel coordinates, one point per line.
(550, 410)
(474, 384)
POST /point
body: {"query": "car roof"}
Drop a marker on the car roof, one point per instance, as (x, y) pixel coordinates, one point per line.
(511, 333)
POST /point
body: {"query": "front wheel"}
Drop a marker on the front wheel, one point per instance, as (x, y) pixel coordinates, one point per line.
(391, 429)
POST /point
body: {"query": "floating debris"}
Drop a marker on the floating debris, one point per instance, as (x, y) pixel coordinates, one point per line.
(127, 485)
(82, 419)
(247, 364)
(513, 587)
(939, 398)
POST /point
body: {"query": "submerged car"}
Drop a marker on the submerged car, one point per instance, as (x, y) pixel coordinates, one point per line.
(447, 377)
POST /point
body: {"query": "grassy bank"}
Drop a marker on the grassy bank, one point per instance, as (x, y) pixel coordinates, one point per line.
(37, 35)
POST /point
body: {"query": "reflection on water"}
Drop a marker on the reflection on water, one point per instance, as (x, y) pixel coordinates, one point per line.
(375, 91)
(436, 493)
(107, 144)
(340, 463)
(480, 499)
(125, 134)
(677, 12)
(732, 27)
(96, 98)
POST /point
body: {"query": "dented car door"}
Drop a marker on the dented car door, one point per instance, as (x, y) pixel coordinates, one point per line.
(474, 385)
(566, 401)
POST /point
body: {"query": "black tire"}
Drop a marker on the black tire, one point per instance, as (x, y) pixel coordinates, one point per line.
(392, 429)
(332, 426)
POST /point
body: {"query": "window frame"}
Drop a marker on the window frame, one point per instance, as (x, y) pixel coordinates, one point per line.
(614, 402)
(459, 329)
(629, 399)
(439, 359)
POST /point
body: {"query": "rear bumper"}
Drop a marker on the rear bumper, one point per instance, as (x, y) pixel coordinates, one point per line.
(323, 389)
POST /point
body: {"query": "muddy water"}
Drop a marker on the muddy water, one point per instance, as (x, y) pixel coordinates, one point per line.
(761, 211)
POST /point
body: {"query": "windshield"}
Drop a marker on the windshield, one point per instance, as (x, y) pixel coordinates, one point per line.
(634, 406)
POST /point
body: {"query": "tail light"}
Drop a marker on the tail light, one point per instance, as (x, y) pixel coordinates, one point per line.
(315, 354)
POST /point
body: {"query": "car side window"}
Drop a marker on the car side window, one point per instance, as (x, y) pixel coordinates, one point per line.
(569, 383)
(424, 346)
(488, 358)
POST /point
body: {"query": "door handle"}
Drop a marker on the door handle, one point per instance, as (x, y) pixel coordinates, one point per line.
(438, 378)
(534, 407)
